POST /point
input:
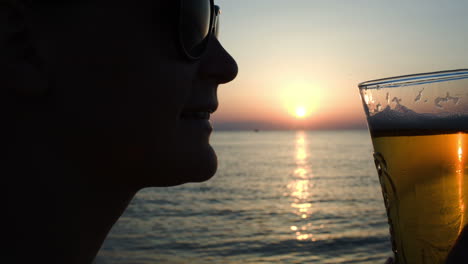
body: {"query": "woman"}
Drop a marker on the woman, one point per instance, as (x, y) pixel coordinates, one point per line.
(109, 97)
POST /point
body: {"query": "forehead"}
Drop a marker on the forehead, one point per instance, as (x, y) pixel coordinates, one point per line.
(156, 12)
(94, 23)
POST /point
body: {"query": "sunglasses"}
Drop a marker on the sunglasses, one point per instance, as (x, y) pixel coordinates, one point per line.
(198, 22)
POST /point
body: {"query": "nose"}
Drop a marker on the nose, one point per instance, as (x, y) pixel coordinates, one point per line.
(218, 64)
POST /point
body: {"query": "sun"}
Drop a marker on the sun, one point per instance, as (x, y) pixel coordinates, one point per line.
(300, 98)
(301, 112)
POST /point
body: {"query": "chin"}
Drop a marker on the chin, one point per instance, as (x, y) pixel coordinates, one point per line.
(184, 167)
(201, 167)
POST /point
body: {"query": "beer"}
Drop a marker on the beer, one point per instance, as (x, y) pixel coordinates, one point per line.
(424, 181)
(419, 129)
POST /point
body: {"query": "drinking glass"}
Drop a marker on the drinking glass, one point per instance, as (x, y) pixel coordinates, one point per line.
(419, 129)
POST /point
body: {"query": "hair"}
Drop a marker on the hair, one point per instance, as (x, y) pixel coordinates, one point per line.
(22, 67)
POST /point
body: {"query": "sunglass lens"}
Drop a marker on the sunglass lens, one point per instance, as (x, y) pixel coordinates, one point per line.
(195, 25)
(216, 21)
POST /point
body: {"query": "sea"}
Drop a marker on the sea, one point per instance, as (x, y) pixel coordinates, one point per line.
(278, 197)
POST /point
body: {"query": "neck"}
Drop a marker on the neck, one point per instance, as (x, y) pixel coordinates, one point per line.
(89, 215)
(61, 217)
(60, 208)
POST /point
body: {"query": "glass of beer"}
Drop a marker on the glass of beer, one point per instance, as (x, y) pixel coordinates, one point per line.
(419, 125)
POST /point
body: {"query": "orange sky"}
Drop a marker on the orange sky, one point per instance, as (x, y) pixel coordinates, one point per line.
(314, 53)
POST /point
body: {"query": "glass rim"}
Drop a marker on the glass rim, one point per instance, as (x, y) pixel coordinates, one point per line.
(415, 79)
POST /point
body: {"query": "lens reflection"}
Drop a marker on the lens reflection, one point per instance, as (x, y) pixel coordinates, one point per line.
(216, 21)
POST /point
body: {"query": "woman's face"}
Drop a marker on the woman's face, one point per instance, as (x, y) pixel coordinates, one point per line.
(130, 102)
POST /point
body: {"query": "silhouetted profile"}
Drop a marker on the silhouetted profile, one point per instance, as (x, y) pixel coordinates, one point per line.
(103, 98)
(108, 97)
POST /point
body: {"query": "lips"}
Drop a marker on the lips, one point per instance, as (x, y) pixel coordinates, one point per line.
(199, 115)
(199, 111)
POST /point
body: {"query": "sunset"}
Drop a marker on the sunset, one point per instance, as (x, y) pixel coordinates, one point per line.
(301, 112)
(312, 54)
(235, 131)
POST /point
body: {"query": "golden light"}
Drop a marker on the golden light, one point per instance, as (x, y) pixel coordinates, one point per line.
(300, 98)
(300, 189)
(460, 175)
(301, 112)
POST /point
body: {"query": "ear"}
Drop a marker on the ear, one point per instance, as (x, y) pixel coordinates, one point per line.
(22, 71)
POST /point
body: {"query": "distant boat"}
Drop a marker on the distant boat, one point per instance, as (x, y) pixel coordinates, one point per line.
(256, 130)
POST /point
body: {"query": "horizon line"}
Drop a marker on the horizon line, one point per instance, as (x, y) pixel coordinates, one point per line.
(290, 129)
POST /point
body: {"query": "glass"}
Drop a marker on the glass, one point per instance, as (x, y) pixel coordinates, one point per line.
(419, 129)
(198, 20)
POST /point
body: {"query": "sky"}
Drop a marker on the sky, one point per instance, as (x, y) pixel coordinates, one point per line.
(307, 56)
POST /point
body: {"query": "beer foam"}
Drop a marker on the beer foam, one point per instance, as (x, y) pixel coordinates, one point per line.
(404, 120)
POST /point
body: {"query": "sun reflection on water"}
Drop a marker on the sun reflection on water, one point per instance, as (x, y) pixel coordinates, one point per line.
(300, 190)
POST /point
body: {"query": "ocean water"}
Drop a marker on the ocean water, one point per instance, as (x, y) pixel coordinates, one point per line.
(278, 197)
